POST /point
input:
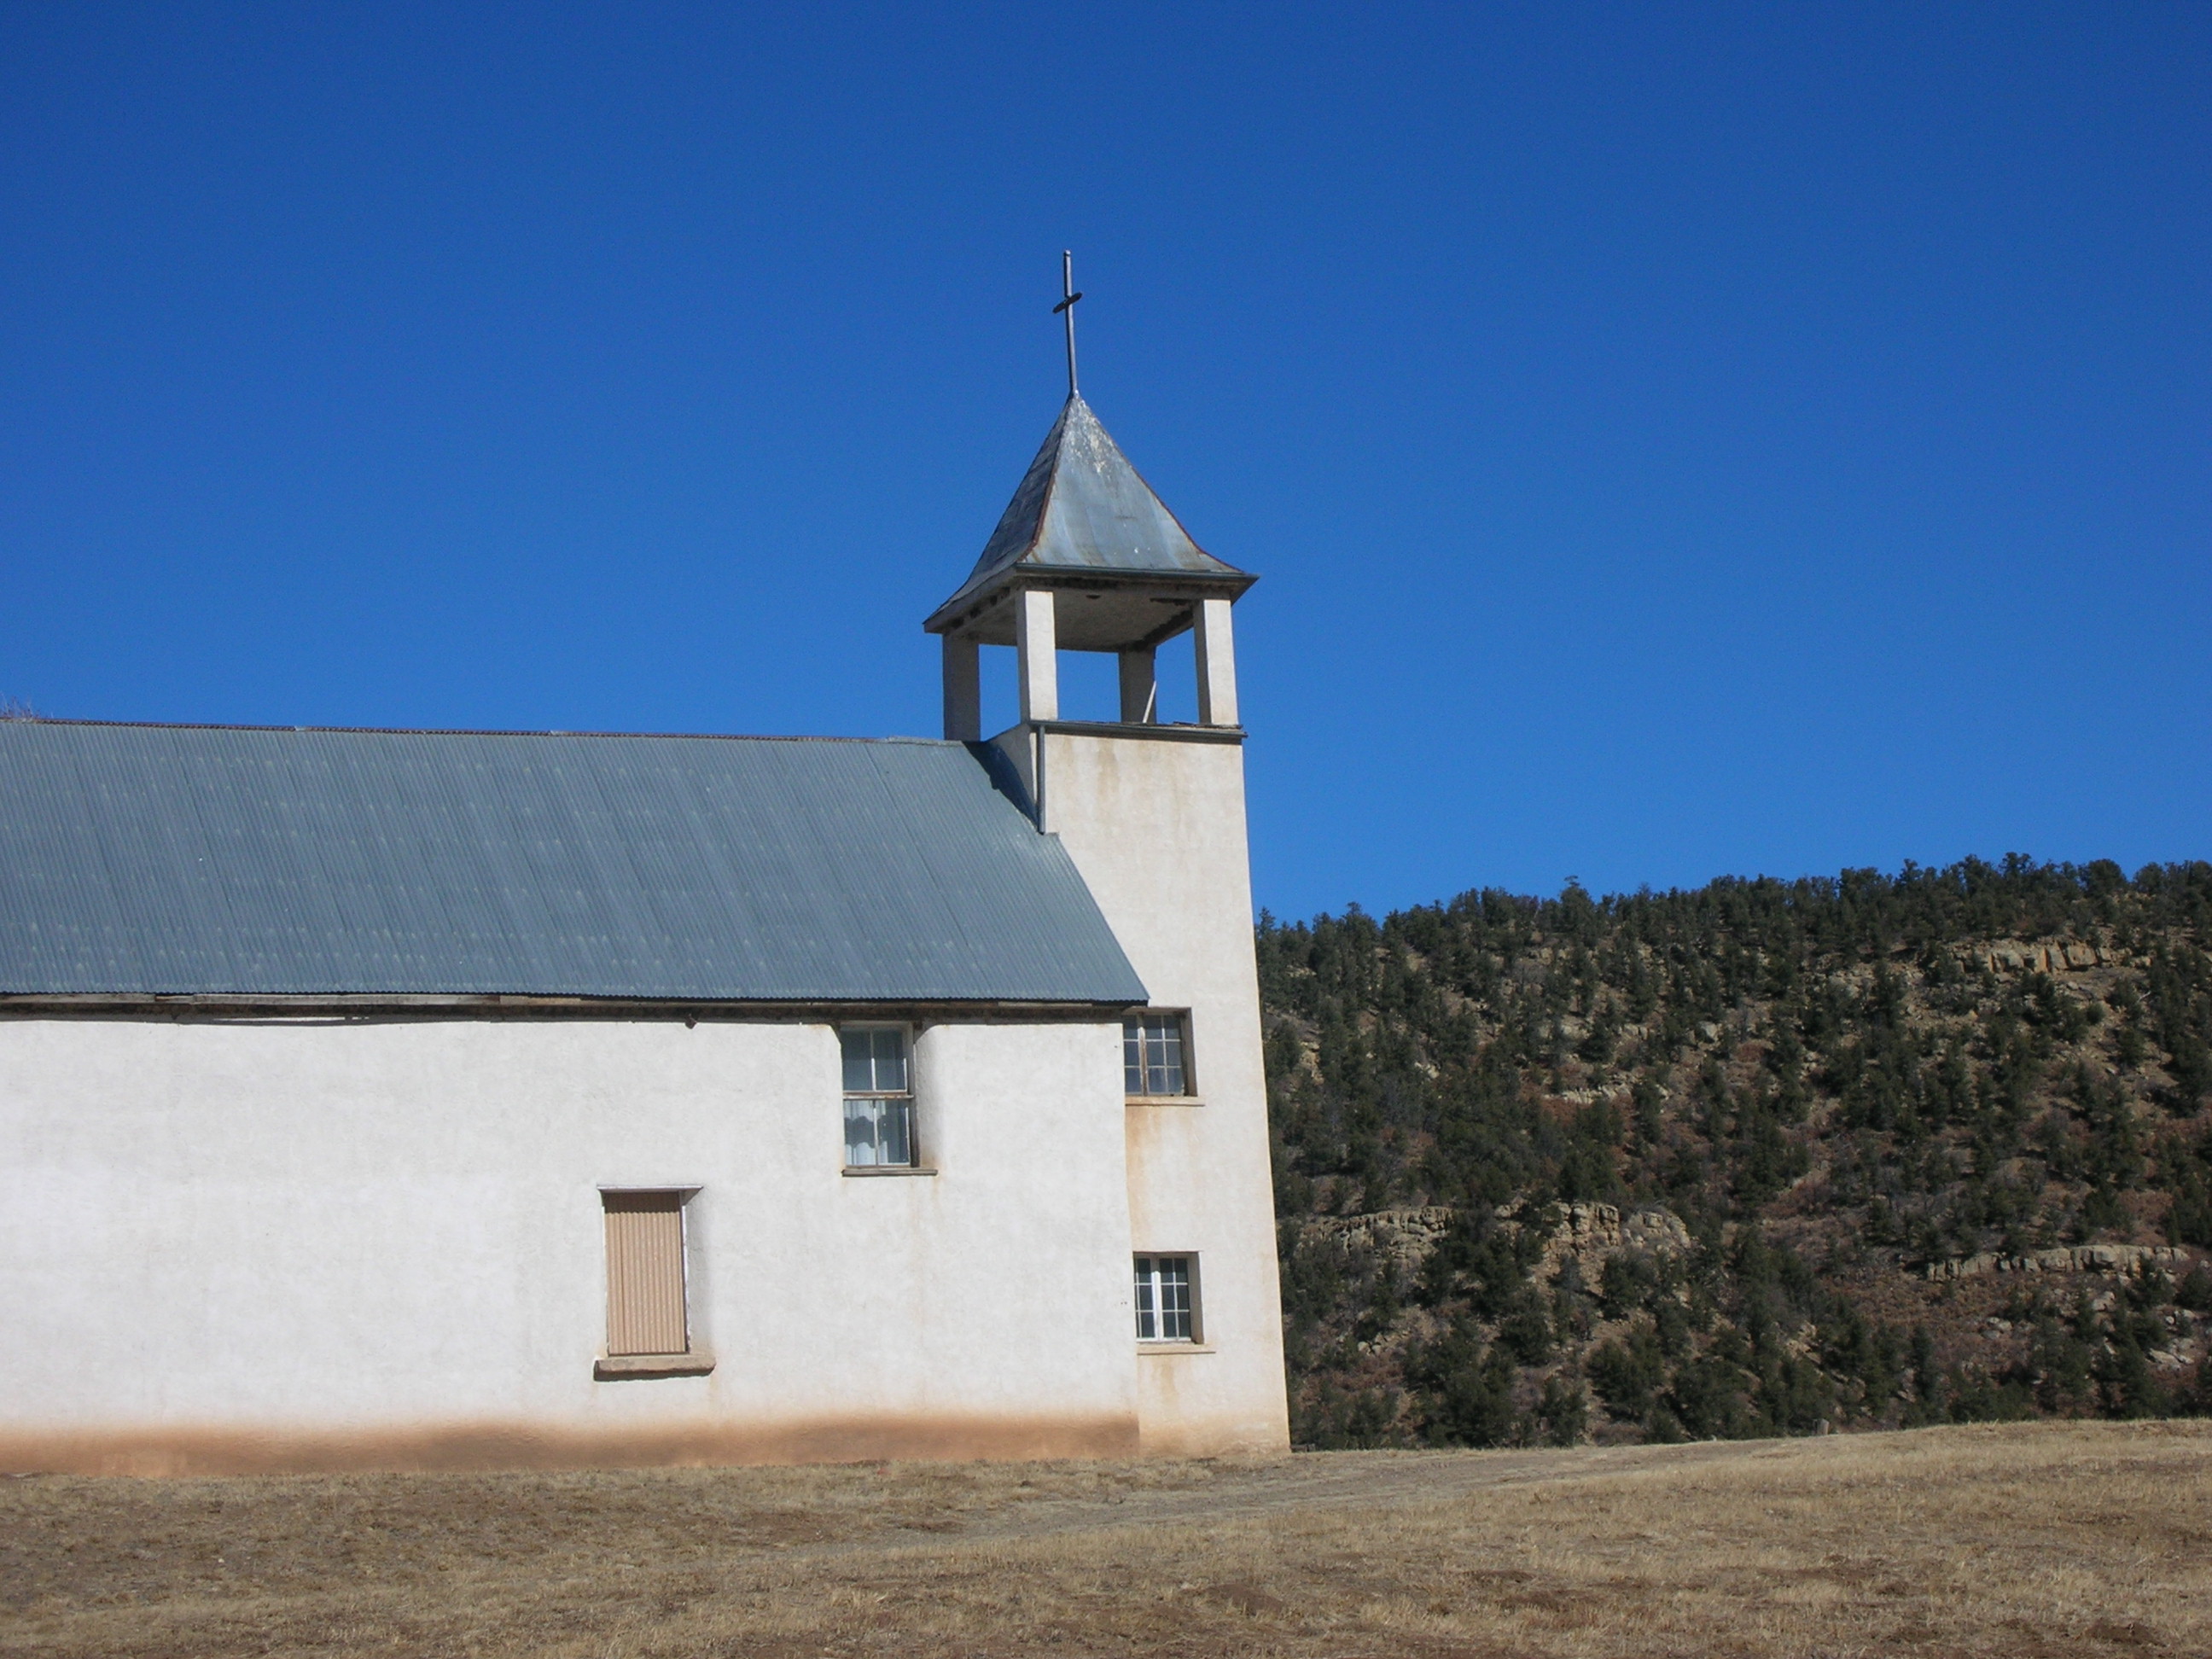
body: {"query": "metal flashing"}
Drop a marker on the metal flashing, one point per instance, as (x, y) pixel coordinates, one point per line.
(1083, 510)
(1142, 732)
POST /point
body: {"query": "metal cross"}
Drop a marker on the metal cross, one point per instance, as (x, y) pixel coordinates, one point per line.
(1066, 309)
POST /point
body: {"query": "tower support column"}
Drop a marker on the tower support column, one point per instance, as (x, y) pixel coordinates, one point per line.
(964, 690)
(1139, 688)
(1216, 664)
(1035, 643)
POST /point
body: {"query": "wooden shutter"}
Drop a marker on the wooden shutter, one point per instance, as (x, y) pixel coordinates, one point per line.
(645, 1274)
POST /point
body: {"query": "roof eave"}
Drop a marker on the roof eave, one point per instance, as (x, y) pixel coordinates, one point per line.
(248, 1004)
(972, 602)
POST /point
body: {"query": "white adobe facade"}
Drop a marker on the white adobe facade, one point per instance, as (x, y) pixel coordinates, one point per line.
(465, 1100)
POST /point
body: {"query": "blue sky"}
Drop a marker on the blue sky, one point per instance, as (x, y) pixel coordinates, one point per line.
(1674, 441)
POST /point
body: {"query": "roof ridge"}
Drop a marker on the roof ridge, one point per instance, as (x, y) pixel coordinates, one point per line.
(469, 732)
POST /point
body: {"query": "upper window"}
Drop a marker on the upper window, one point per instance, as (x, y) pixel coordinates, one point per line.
(1153, 1058)
(1166, 1309)
(879, 1096)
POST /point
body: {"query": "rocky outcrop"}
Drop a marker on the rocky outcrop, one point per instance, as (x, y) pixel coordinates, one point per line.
(2069, 1259)
(1587, 1233)
(2046, 955)
(1405, 1237)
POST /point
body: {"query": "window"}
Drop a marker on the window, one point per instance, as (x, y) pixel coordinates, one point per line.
(646, 1309)
(1153, 1056)
(879, 1096)
(1166, 1311)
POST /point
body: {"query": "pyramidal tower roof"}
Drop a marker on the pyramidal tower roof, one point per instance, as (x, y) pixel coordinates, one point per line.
(1083, 511)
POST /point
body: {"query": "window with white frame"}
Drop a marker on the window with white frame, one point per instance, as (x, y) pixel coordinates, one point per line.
(1166, 1304)
(879, 1096)
(1154, 1055)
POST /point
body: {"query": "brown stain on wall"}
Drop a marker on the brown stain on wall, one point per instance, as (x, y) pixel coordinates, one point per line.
(456, 1447)
(1214, 1437)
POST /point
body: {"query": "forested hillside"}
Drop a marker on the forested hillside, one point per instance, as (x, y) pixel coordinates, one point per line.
(1765, 1158)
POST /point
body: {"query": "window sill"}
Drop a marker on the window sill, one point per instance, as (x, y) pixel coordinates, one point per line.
(1163, 1100)
(622, 1367)
(1173, 1347)
(872, 1169)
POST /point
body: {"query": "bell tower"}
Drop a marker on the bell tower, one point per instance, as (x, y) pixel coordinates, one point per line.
(1087, 558)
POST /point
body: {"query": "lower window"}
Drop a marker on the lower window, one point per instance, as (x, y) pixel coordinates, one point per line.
(1167, 1309)
(647, 1311)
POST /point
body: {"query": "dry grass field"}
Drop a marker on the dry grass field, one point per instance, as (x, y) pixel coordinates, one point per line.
(2049, 1539)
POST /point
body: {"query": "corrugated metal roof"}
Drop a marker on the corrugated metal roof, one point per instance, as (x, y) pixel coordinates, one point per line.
(1082, 507)
(148, 860)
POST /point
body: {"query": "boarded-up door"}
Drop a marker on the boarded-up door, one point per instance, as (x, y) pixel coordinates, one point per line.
(645, 1274)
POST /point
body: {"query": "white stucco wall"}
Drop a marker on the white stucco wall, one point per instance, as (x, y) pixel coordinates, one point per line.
(1156, 823)
(291, 1245)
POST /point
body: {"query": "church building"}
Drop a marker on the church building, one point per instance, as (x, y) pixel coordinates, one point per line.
(394, 1099)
